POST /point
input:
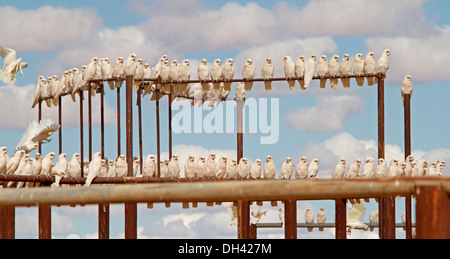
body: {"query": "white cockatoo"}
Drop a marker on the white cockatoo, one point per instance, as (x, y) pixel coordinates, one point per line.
(221, 168)
(345, 68)
(231, 169)
(242, 169)
(118, 73)
(139, 74)
(59, 170)
(149, 169)
(289, 71)
(26, 170)
(37, 132)
(136, 164)
(211, 165)
(310, 69)
(369, 67)
(174, 71)
(287, 169)
(104, 169)
(203, 71)
(422, 167)
(333, 71)
(174, 167)
(432, 169)
(321, 217)
(309, 218)
(189, 168)
(313, 169)
(216, 72)
(53, 84)
(407, 87)
(107, 72)
(382, 65)
(90, 71)
(20, 168)
(381, 168)
(248, 73)
(301, 171)
(269, 168)
(13, 162)
(40, 90)
(200, 167)
(322, 70)
(129, 67)
(402, 168)
(94, 168)
(300, 71)
(440, 166)
(111, 169)
(232, 211)
(355, 217)
(3, 159)
(74, 166)
(228, 73)
(393, 169)
(256, 216)
(77, 81)
(255, 169)
(11, 65)
(47, 164)
(121, 166)
(374, 218)
(164, 169)
(240, 91)
(339, 169)
(414, 169)
(353, 169)
(36, 165)
(368, 170)
(184, 75)
(358, 69)
(267, 73)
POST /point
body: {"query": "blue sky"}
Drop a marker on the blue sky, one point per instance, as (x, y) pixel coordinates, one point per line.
(54, 36)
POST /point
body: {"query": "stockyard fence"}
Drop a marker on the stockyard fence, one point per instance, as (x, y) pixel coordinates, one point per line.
(431, 193)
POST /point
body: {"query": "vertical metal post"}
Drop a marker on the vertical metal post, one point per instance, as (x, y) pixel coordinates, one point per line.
(408, 201)
(44, 212)
(243, 206)
(290, 219)
(139, 105)
(158, 155)
(90, 120)
(118, 122)
(39, 119)
(81, 134)
(341, 218)
(169, 98)
(130, 208)
(60, 123)
(7, 223)
(103, 209)
(432, 213)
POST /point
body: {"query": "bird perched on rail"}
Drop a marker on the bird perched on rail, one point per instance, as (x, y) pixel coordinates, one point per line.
(94, 168)
(42, 91)
(74, 166)
(47, 164)
(309, 218)
(189, 168)
(289, 71)
(339, 169)
(255, 169)
(393, 169)
(89, 72)
(353, 169)
(13, 162)
(174, 167)
(36, 167)
(149, 169)
(369, 67)
(313, 169)
(248, 73)
(355, 218)
(121, 166)
(267, 73)
(333, 71)
(310, 69)
(228, 73)
(231, 169)
(118, 73)
(203, 71)
(77, 81)
(346, 70)
(211, 165)
(358, 69)
(406, 88)
(243, 169)
(107, 72)
(111, 169)
(382, 65)
(368, 168)
(269, 168)
(216, 72)
(60, 169)
(3, 159)
(11, 65)
(322, 70)
(321, 217)
(129, 67)
(37, 132)
(381, 168)
(301, 170)
(200, 167)
(221, 168)
(287, 169)
(300, 71)
(139, 74)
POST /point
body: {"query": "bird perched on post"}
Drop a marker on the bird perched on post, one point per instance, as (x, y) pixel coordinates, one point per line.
(269, 168)
(289, 71)
(94, 168)
(358, 69)
(107, 72)
(300, 71)
(248, 73)
(339, 169)
(407, 88)
(369, 67)
(322, 70)
(203, 71)
(243, 169)
(333, 71)
(36, 167)
(382, 65)
(37, 132)
(3, 159)
(301, 171)
(353, 169)
(11, 65)
(267, 73)
(118, 73)
(287, 169)
(164, 171)
(129, 67)
(139, 74)
(345, 69)
(13, 162)
(255, 169)
(310, 69)
(228, 73)
(90, 71)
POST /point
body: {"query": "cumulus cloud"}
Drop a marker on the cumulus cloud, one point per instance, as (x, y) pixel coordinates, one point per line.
(329, 115)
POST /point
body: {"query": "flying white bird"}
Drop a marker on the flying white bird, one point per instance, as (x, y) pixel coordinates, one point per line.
(310, 69)
(353, 169)
(345, 69)
(248, 73)
(189, 168)
(228, 73)
(301, 170)
(333, 71)
(322, 70)
(321, 217)
(256, 216)
(231, 210)
(339, 170)
(355, 217)
(221, 168)
(358, 69)
(287, 169)
(121, 166)
(369, 67)
(300, 71)
(231, 169)
(118, 73)
(149, 169)
(382, 65)
(381, 168)
(393, 169)
(11, 65)
(94, 168)
(74, 166)
(267, 73)
(289, 71)
(313, 169)
(407, 87)
(368, 168)
(200, 168)
(243, 169)
(37, 132)
(129, 67)
(255, 169)
(269, 168)
(309, 218)
(174, 167)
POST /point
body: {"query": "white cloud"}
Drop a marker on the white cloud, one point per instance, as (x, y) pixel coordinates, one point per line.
(329, 115)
